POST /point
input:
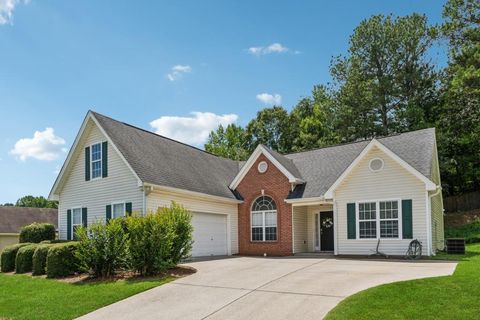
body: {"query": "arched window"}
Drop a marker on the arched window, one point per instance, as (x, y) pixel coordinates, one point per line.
(264, 219)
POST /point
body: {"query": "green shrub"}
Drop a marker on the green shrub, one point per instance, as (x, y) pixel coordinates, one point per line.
(61, 260)
(37, 232)
(149, 244)
(180, 220)
(103, 248)
(159, 240)
(9, 255)
(23, 260)
(39, 259)
(470, 231)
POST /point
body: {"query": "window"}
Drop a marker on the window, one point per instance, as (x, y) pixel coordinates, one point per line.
(118, 210)
(389, 219)
(367, 220)
(96, 160)
(379, 219)
(76, 221)
(264, 219)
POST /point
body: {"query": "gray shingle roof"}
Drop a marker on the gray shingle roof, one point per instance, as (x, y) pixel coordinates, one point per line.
(12, 219)
(162, 161)
(285, 162)
(322, 167)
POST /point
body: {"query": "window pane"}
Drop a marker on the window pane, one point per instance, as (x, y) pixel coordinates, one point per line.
(367, 211)
(271, 219)
(257, 219)
(96, 151)
(264, 203)
(271, 233)
(96, 169)
(389, 229)
(389, 211)
(118, 210)
(368, 229)
(77, 216)
(75, 228)
(257, 234)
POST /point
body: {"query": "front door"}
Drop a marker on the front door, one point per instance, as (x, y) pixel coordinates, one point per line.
(326, 231)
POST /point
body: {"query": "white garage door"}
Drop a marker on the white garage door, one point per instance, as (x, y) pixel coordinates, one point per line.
(209, 234)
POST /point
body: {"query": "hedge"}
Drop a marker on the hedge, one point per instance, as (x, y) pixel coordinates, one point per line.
(23, 260)
(61, 260)
(9, 255)
(37, 232)
(39, 259)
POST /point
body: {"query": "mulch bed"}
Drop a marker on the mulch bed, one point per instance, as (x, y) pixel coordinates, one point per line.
(177, 272)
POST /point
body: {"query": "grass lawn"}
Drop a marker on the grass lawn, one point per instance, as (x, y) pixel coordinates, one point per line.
(451, 297)
(24, 298)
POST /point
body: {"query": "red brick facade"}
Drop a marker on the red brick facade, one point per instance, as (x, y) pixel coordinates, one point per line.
(275, 185)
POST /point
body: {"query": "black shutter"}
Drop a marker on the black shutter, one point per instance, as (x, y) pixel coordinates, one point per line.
(69, 224)
(109, 213)
(128, 208)
(105, 159)
(407, 228)
(84, 217)
(351, 221)
(87, 163)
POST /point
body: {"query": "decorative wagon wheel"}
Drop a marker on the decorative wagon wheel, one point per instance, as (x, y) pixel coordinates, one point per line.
(414, 251)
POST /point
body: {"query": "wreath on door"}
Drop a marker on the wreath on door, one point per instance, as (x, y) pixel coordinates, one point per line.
(327, 223)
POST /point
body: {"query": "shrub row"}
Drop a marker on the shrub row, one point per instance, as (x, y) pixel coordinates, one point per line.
(145, 244)
(37, 232)
(54, 259)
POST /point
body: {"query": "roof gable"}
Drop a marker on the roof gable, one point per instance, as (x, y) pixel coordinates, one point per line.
(285, 166)
(429, 185)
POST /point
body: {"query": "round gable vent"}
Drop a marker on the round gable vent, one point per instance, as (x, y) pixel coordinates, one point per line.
(262, 167)
(376, 164)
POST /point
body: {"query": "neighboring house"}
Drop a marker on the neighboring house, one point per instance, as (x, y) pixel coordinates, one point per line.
(12, 219)
(340, 199)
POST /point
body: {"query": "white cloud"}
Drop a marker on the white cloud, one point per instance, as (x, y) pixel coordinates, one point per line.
(177, 71)
(268, 98)
(192, 130)
(6, 10)
(273, 48)
(44, 145)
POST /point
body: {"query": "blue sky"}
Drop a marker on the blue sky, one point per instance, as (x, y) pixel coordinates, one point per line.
(154, 63)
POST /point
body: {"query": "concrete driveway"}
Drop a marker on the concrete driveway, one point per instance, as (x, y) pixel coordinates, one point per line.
(265, 288)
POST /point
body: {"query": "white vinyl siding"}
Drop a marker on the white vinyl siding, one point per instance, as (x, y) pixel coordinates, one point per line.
(198, 204)
(96, 194)
(392, 182)
(300, 235)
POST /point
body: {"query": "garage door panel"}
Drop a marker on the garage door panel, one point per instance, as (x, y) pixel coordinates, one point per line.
(209, 234)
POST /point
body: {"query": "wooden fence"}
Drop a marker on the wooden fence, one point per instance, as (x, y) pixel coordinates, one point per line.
(464, 202)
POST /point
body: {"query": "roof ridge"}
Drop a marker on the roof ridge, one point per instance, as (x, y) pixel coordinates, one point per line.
(358, 141)
(161, 136)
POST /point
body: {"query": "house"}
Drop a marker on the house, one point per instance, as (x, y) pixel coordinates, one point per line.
(12, 219)
(340, 199)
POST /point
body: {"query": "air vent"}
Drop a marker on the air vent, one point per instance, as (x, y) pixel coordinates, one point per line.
(376, 164)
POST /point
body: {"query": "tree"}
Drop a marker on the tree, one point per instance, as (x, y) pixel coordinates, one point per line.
(272, 128)
(386, 84)
(459, 111)
(312, 121)
(36, 202)
(229, 143)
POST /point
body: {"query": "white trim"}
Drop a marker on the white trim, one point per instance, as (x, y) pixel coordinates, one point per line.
(293, 232)
(124, 208)
(428, 215)
(307, 201)
(429, 185)
(335, 228)
(184, 192)
(91, 161)
(251, 160)
(377, 219)
(53, 192)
